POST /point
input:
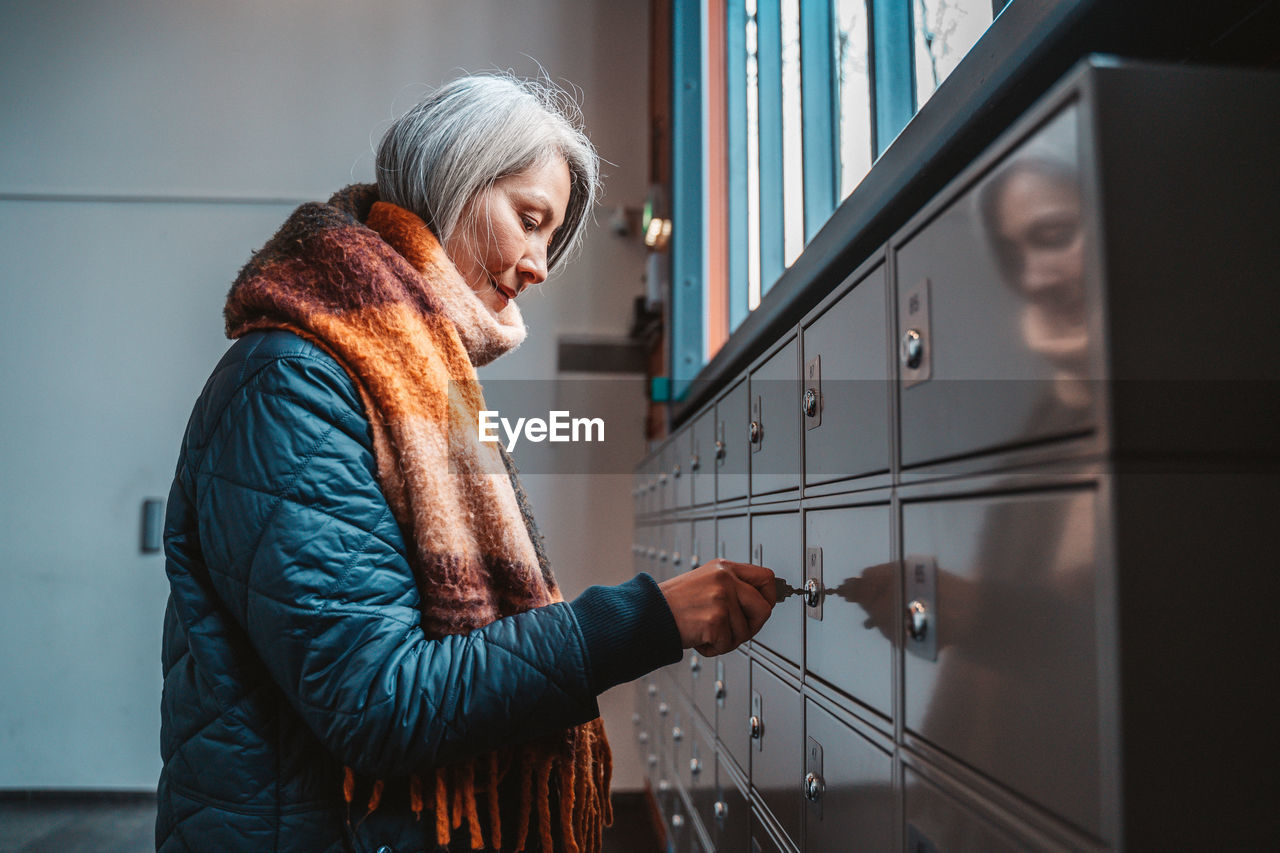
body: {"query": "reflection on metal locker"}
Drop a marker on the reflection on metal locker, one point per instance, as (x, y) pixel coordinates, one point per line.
(1016, 673)
(1031, 373)
(850, 647)
(775, 542)
(938, 823)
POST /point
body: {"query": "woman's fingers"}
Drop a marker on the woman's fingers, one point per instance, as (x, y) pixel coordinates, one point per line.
(720, 605)
(754, 605)
(757, 576)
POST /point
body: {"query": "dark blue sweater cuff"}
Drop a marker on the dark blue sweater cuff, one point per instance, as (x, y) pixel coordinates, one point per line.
(628, 630)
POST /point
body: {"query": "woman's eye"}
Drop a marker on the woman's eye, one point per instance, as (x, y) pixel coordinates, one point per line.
(530, 224)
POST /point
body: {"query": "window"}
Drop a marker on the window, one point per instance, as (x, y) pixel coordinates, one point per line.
(813, 92)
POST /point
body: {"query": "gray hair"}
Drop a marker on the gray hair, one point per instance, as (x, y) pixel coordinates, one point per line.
(473, 131)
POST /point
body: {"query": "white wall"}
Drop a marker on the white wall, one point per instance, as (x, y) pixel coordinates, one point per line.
(148, 147)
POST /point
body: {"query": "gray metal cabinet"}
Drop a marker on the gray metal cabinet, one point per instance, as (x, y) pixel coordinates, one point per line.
(850, 630)
(1005, 673)
(846, 384)
(678, 462)
(775, 542)
(1028, 562)
(998, 340)
(733, 718)
(733, 538)
(733, 814)
(702, 458)
(700, 777)
(703, 547)
(773, 431)
(939, 823)
(732, 448)
(848, 785)
(777, 732)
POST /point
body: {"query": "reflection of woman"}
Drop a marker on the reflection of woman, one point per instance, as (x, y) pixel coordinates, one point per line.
(1015, 692)
(365, 647)
(1031, 213)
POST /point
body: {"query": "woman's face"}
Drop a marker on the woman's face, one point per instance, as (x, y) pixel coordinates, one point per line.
(501, 241)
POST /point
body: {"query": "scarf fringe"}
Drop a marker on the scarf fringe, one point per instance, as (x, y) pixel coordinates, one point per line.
(580, 776)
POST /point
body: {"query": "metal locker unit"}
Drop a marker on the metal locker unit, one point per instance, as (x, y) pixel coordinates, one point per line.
(851, 585)
(1025, 570)
(702, 458)
(773, 432)
(846, 389)
(732, 448)
(775, 542)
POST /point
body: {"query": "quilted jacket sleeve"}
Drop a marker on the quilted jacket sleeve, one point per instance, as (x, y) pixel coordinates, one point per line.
(300, 545)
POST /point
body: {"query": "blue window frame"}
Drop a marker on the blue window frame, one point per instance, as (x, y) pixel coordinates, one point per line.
(816, 90)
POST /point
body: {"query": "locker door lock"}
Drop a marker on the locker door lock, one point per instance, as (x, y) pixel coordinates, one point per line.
(917, 620)
(695, 767)
(813, 787)
(694, 663)
(812, 592)
(812, 403)
(912, 348)
(719, 450)
(721, 810)
(813, 587)
(754, 432)
(719, 691)
(757, 727)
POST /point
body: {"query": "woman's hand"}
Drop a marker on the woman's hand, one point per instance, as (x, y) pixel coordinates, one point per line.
(720, 605)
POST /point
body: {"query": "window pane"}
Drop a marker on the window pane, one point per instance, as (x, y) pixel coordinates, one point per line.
(792, 135)
(944, 32)
(753, 159)
(852, 66)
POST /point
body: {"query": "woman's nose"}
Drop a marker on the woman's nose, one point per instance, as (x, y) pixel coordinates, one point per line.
(533, 266)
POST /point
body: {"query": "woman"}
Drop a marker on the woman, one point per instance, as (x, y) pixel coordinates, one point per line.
(365, 648)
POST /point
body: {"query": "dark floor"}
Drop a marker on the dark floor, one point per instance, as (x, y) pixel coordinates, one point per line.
(127, 825)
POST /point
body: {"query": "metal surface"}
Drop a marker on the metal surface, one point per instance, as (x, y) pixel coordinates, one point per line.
(735, 708)
(851, 646)
(813, 589)
(856, 807)
(1011, 256)
(775, 395)
(922, 594)
(1016, 673)
(732, 453)
(777, 764)
(776, 543)
(849, 436)
(811, 401)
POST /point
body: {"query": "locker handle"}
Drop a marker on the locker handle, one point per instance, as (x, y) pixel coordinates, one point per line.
(917, 620)
(719, 449)
(813, 787)
(810, 405)
(812, 592)
(757, 727)
(912, 348)
(754, 432)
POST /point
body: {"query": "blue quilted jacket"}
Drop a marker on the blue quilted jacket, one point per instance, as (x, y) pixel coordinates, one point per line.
(292, 644)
